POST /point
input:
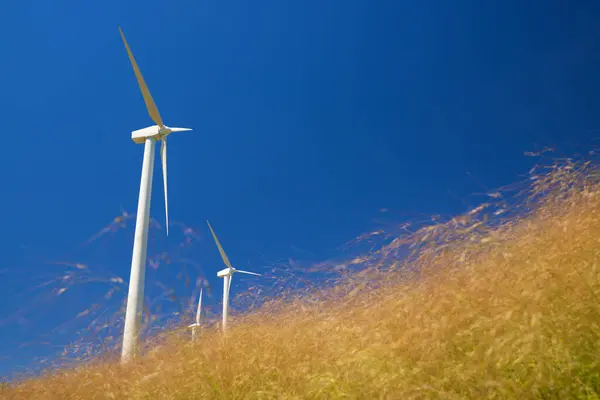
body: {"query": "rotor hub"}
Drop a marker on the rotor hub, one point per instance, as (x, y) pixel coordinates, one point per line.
(163, 132)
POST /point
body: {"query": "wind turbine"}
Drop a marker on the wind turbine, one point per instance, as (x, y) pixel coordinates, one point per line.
(226, 274)
(148, 136)
(195, 326)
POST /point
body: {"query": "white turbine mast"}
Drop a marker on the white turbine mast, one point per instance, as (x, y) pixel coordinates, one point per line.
(148, 136)
(196, 325)
(226, 274)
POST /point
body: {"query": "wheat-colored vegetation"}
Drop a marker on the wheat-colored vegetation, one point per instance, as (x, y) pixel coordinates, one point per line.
(478, 309)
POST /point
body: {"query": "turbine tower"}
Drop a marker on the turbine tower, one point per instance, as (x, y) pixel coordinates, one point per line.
(226, 274)
(195, 326)
(148, 136)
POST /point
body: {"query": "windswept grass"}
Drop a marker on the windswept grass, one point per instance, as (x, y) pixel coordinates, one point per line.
(475, 308)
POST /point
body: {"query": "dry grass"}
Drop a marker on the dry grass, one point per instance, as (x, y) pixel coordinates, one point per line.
(503, 311)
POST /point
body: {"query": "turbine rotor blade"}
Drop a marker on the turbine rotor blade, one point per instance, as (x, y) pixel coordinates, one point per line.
(163, 156)
(179, 129)
(150, 105)
(247, 272)
(223, 255)
(199, 308)
(229, 286)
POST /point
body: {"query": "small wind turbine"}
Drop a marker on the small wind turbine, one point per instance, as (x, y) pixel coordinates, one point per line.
(195, 326)
(148, 136)
(226, 274)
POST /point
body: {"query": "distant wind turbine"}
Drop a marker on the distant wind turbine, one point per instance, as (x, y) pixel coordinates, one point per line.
(226, 274)
(148, 136)
(195, 326)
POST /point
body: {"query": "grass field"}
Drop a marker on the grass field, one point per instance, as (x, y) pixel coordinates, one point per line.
(481, 309)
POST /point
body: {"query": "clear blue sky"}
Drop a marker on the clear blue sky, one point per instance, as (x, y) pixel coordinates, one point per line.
(309, 117)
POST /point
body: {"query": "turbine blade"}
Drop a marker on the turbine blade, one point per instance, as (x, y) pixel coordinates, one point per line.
(229, 286)
(223, 255)
(247, 272)
(179, 129)
(163, 156)
(150, 106)
(199, 307)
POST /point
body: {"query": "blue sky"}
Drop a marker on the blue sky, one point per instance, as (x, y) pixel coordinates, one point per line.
(309, 118)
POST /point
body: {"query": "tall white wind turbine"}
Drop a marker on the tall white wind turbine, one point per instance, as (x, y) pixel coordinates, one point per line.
(196, 325)
(226, 274)
(148, 136)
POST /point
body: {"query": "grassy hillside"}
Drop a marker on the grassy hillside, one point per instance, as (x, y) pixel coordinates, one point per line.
(481, 309)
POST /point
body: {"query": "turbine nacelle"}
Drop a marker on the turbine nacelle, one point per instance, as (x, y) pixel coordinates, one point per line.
(226, 272)
(139, 136)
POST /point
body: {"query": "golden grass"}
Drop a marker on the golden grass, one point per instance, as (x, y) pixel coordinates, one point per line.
(504, 312)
